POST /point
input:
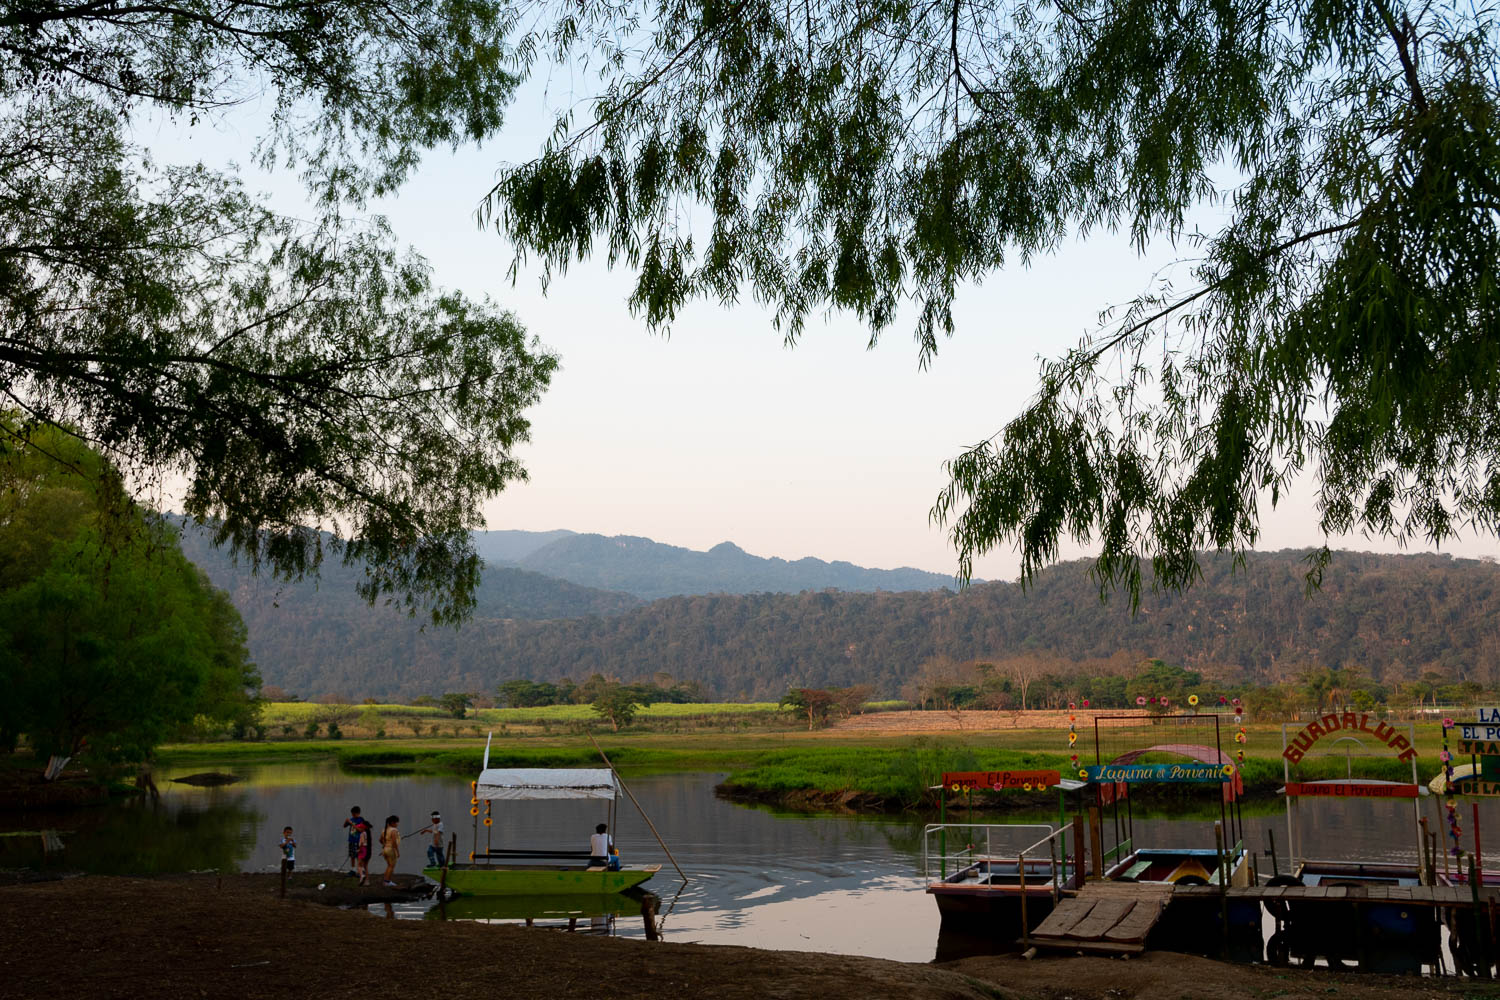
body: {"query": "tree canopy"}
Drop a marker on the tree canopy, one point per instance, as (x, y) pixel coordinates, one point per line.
(1340, 322)
(110, 640)
(300, 373)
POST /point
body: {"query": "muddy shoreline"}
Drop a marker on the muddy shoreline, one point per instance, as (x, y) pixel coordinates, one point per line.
(195, 936)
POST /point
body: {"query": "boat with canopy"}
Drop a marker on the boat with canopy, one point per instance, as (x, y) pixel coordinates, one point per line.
(513, 871)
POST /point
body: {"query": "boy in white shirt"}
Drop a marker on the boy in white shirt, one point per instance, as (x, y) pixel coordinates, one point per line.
(599, 846)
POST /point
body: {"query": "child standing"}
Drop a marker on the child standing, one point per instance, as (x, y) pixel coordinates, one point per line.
(434, 849)
(362, 852)
(390, 847)
(288, 849)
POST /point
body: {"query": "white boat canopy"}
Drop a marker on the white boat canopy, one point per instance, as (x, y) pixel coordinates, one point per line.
(545, 783)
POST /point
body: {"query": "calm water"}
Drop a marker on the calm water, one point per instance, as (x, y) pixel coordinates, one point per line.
(761, 879)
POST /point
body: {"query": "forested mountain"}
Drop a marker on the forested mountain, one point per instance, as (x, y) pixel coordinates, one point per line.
(1393, 617)
(650, 569)
(506, 592)
(498, 548)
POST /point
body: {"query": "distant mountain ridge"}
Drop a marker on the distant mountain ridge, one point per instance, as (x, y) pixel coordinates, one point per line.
(505, 592)
(652, 570)
(1390, 617)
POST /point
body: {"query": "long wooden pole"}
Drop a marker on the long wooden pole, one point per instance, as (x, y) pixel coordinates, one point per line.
(637, 805)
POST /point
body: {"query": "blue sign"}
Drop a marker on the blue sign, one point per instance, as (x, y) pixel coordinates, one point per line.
(1191, 771)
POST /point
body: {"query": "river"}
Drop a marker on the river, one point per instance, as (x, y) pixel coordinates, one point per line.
(839, 884)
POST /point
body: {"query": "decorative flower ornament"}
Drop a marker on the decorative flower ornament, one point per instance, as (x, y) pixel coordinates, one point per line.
(1085, 703)
(1192, 699)
(1140, 700)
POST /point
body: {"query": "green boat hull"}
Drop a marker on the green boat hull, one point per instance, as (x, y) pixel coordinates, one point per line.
(490, 880)
(553, 907)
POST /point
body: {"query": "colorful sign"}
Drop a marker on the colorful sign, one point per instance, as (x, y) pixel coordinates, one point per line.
(1349, 790)
(1480, 733)
(1468, 786)
(1480, 748)
(1488, 715)
(1000, 781)
(1349, 722)
(1193, 771)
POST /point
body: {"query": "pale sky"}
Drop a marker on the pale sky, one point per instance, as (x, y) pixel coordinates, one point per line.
(723, 434)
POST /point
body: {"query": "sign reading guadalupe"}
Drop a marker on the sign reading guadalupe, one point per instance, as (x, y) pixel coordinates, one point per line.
(1000, 781)
(1349, 790)
(1349, 722)
(1191, 771)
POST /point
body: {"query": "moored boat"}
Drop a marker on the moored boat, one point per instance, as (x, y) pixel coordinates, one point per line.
(538, 871)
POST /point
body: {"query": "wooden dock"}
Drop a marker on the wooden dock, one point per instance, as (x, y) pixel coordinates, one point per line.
(1413, 895)
(1114, 918)
(1111, 918)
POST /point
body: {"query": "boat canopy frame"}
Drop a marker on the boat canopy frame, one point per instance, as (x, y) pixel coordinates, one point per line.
(1110, 793)
(532, 784)
(1349, 786)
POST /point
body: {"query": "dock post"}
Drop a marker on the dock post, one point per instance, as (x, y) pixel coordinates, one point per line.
(1025, 925)
(1426, 860)
(1481, 939)
(1223, 881)
(1056, 869)
(1478, 850)
(1271, 835)
(1078, 849)
(1096, 841)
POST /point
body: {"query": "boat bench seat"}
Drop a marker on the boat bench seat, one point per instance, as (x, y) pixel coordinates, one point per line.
(524, 855)
(1138, 869)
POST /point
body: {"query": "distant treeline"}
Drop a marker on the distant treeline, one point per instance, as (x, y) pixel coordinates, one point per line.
(1390, 618)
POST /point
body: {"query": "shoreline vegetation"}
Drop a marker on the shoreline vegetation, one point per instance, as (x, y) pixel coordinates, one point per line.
(878, 762)
(866, 772)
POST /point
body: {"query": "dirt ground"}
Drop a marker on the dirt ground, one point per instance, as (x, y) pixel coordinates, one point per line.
(177, 938)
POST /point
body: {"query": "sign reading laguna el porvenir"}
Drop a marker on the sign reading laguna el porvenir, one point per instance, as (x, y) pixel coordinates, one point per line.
(1350, 722)
(1000, 780)
(1193, 771)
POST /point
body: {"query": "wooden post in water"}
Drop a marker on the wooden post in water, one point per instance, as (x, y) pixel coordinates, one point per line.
(1223, 881)
(1478, 850)
(1078, 856)
(1096, 841)
(1481, 948)
(447, 860)
(1271, 835)
(1025, 925)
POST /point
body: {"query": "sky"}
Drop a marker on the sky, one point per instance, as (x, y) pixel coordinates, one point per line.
(720, 432)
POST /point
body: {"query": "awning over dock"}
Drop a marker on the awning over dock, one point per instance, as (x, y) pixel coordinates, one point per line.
(545, 783)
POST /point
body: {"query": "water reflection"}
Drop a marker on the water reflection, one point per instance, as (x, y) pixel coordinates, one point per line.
(840, 884)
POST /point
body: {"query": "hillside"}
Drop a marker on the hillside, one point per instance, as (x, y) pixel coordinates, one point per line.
(498, 548)
(652, 570)
(1393, 616)
(505, 592)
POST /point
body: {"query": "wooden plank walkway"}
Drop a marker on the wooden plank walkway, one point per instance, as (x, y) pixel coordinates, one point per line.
(1104, 917)
(1414, 895)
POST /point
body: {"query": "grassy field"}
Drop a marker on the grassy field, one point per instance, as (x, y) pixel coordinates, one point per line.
(769, 764)
(290, 720)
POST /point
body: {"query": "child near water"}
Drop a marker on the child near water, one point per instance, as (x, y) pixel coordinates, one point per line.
(288, 848)
(390, 848)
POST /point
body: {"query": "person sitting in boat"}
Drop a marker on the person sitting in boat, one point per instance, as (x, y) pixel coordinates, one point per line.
(601, 846)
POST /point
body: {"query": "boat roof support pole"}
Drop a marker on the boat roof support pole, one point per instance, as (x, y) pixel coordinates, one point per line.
(631, 795)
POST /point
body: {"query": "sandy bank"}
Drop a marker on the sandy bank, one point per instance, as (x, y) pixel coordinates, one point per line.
(183, 938)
